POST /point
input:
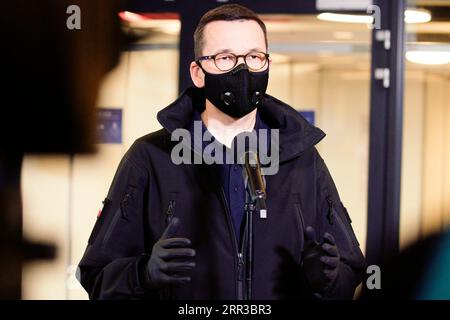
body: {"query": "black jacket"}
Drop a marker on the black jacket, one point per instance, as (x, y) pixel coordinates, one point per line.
(148, 188)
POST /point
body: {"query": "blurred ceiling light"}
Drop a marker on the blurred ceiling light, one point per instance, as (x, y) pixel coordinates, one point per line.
(130, 16)
(417, 16)
(428, 57)
(168, 23)
(411, 16)
(343, 35)
(339, 17)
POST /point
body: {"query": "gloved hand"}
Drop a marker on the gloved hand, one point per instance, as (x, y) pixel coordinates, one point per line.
(320, 261)
(170, 257)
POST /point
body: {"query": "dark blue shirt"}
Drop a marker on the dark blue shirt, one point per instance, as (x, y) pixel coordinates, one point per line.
(231, 178)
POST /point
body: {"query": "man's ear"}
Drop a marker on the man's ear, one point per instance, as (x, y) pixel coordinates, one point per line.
(197, 75)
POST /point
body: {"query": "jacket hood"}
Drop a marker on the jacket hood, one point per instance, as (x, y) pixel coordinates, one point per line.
(296, 134)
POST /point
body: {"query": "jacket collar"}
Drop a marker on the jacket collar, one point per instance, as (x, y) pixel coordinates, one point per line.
(296, 133)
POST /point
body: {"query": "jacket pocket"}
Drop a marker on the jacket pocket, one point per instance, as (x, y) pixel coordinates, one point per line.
(348, 224)
(127, 203)
(335, 219)
(123, 212)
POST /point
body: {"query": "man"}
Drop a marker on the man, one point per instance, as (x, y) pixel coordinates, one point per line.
(177, 230)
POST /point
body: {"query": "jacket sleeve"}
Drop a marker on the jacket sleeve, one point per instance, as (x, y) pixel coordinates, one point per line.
(332, 217)
(116, 251)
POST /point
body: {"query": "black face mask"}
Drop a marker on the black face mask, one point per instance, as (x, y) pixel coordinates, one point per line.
(238, 91)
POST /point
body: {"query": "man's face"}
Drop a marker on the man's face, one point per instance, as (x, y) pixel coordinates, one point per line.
(239, 37)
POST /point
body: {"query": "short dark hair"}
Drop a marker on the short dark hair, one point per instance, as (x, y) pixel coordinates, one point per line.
(226, 12)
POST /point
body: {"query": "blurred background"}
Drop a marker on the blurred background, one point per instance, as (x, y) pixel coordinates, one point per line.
(324, 61)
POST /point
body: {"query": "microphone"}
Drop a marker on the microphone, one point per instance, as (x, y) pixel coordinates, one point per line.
(256, 182)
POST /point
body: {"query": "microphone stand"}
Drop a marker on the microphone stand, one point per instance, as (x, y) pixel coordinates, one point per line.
(254, 202)
(250, 209)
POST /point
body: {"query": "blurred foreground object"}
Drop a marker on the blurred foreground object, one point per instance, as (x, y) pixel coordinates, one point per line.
(420, 272)
(51, 75)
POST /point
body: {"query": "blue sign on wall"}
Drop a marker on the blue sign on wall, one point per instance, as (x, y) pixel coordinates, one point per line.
(109, 125)
(309, 116)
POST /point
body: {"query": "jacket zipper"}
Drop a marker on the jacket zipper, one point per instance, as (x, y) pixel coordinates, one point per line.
(170, 210)
(301, 221)
(121, 211)
(124, 206)
(165, 293)
(239, 255)
(330, 211)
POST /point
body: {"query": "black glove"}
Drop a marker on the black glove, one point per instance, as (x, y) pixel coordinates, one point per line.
(320, 261)
(170, 257)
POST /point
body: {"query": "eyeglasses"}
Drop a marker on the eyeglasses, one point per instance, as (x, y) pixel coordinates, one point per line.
(227, 61)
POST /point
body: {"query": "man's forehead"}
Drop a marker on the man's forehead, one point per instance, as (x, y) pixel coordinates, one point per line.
(231, 50)
(239, 36)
